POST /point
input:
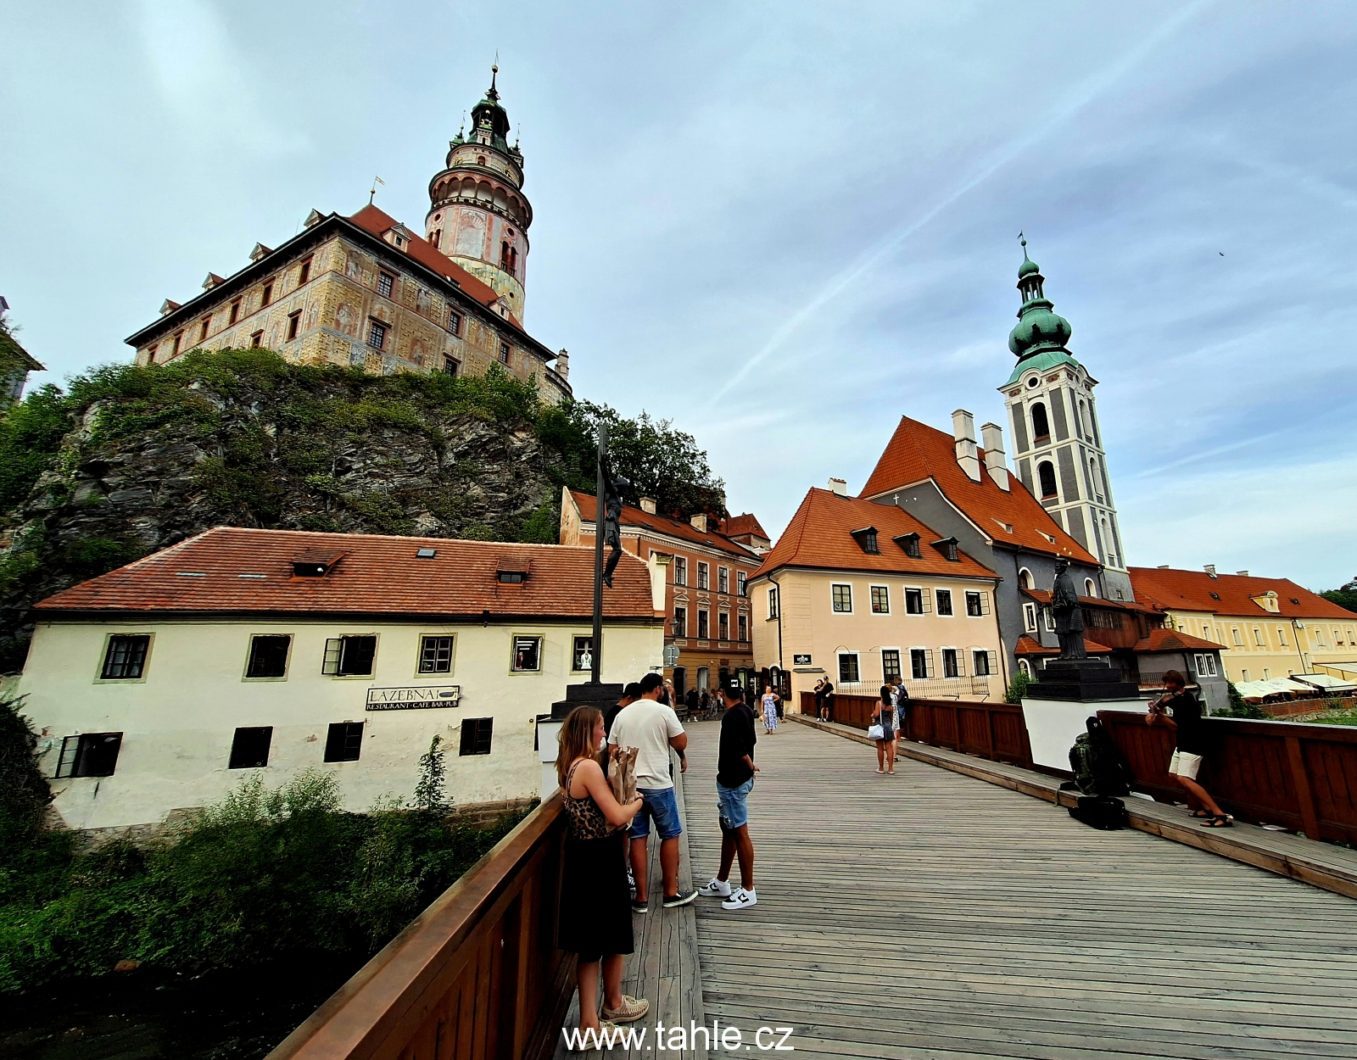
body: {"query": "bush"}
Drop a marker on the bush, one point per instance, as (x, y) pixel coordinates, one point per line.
(1021, 682)
(24, 792)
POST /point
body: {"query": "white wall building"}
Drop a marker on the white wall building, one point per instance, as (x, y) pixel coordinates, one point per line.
(160, 685)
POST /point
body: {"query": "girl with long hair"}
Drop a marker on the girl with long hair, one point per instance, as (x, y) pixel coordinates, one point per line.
(884, 715)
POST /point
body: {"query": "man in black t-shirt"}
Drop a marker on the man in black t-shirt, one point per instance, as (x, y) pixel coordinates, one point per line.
(735, 771)
(1190, 746)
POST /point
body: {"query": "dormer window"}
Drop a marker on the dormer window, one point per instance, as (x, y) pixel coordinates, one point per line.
(866, 539)
(315, 563)
(947, 546)
(513, 577)
(512, 570)
(910, 543)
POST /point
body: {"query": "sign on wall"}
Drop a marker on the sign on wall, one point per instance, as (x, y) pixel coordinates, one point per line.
(800, 660)
(420, 697)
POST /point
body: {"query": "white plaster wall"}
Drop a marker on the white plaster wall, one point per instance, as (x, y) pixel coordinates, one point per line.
(179, 721)
(1053, 724)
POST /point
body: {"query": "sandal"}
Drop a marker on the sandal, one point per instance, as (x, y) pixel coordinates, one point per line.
(1201, 815)
(1218, 820)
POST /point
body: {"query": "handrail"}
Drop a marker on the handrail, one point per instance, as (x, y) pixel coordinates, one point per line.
(477, 973)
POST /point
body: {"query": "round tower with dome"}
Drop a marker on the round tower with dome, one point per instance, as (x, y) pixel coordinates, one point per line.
(478, 215)
(1057, 443)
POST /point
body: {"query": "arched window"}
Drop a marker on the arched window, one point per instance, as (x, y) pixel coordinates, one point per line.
(1094, 479)
(1089, 588)
(1081, 419)
(1041, 427)
(1024, 578)
(1046, 475)
(1025, 667)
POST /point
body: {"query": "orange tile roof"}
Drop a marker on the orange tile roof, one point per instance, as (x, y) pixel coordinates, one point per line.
(917, 452)
(1187, 590)
(663, 524)
(231, 570)
(737, 525)
(820, 535)
(1043, 596)
(1174, 640)
(1029, 646)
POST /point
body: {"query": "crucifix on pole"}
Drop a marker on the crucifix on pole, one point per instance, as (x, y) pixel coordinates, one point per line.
(607, 531)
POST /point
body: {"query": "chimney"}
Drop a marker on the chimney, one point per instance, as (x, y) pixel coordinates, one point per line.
(1242, 573)
(658, 565)
(993, 436)
(1210, 569)
(1162, 566)
(699, 521)
(563, 364)
(648, 505)
(963, 430)
(838, 486)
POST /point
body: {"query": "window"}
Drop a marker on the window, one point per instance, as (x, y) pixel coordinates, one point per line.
(1243, 675)
(503, 353)
(450, 366)
(512, 577)
(1029, 617)
(386, 283)
(1281, 637)
(527, 654)
(1050, 619)
(881, 600)
(350, 656)
(1206, 665)
(890, 664)
(1089, 588)
(723, 626)
(1046, 475)
(95, 754)
(437, 237)
(1267, 675)
(744, 628)
(178, 339)
(680, 571)
(723, 579)
(703, 576)
(1238, 637)
(304, 273)
(910, 543)
(1024, 578)
(974, 604)
(703, 624)
(1258, 637)
(582, 654)
(268, 655)
(476, 733)
(983, 664)
(508, 257)
(344, 741)
(1025, 667)
(842, 598)
(267, 296)
(848, 667)
(435, 655)
(914, 601)
(376, 334)
(680, 621)
(202, 328)
(944, 601)
(949, 663)
(1041, 426)
(741, 580)
(250, 748)
(256, 339)
(294, 321)
(772, 603)
(125, 657)
(454, 321)
(919, 663)
(233, 314)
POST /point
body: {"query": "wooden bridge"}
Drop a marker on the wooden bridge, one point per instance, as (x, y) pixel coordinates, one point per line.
(928, 914)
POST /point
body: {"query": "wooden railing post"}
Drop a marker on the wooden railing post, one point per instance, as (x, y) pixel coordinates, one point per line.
(1309, 814)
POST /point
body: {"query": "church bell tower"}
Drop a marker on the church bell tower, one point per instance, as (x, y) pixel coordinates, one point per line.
(1057, 442)
(478, 215)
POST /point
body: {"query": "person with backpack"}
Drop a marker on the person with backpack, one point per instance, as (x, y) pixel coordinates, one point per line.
(1190, 747)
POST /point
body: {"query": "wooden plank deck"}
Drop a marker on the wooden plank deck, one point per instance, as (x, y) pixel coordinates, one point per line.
(934, 915)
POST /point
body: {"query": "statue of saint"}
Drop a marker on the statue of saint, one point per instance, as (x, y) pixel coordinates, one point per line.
(617, 488)
(1067, 612)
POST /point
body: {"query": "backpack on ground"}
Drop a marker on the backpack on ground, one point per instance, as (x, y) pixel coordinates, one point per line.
(1100, 811)
(1097, 765)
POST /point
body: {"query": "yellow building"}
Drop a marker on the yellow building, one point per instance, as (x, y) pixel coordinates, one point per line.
(859, 591)
(1270, 627)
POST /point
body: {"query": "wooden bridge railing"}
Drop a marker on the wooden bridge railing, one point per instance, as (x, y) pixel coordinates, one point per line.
(992, 730)
(477, 974)
(1303, 777)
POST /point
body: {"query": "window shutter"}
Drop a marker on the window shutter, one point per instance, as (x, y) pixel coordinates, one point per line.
(960, 663)
(332, 649)
(70, 750)
(993, 662)
(928, 663)
(984, 603)
(927, 601)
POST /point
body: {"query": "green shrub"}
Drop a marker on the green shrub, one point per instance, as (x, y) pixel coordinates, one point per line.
(1018, 687)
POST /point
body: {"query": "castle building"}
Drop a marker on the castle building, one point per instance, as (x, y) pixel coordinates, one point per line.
(1057, 444)
(15, 363)
(366, 291)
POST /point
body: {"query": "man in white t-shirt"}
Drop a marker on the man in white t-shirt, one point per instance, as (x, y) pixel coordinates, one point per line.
(653, 728)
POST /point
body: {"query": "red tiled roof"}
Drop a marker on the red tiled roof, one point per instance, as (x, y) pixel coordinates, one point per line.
(1174, 640)
(233, 570)
(1043, 596)
(917, 452)
(820, 535)
(1187, 590)
(662, 524)
(738, 525)
(1029, 646)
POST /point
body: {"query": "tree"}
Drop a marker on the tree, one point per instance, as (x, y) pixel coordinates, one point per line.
(1344, 596)
(429, 791)
(1022, 681)
(24, 793)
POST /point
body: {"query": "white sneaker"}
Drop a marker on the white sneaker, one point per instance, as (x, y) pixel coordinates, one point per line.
(741, 899)
(715, 889)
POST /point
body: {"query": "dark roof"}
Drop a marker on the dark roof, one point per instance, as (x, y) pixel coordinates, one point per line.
(663, 524)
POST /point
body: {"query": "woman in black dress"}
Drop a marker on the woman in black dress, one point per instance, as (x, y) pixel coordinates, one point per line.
(595, 915)
(884, 715)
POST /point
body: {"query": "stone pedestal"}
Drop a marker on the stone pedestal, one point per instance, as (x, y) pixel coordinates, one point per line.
(548, 728)
(1066, 694)
(1084, 680)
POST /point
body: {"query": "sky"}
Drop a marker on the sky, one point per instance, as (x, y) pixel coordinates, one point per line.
(780, 225)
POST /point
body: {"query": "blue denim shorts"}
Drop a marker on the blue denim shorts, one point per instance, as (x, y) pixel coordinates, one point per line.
(661, 804)
(732, 805)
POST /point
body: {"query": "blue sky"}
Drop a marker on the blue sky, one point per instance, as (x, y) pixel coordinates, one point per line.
(780, 225)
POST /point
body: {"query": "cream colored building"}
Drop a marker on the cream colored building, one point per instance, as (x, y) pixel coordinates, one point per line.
(239, 653)
(1270, 627)
(860, 591)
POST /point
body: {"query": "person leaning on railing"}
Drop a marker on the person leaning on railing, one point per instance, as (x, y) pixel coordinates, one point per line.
(595, 914)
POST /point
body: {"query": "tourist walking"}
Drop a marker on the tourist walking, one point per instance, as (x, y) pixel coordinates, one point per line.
(769, 702)
(735, 770)
(1190, 746)
(594, 922)
(883, 720)
(653, 728)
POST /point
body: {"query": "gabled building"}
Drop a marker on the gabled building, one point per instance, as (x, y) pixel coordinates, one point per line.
(368, 292)
(160, 685)
(862, 592)
(1269, 627)
(706, 604)
(15, 363)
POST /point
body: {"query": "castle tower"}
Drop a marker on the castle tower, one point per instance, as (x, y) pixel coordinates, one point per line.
(1057, 443)
(478, 214)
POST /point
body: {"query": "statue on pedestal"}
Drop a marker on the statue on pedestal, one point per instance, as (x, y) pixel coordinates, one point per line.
(617, 488)
(1067, 612)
